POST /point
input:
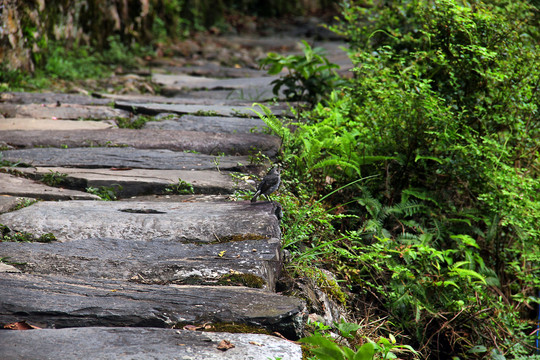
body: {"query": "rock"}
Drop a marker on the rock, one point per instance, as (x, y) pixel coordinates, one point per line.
(143, 221)
(200, 110)
(135, 182)
(199, 82)
(19, 186)
(48, 124)
(141, 343)
(124, 157)
(49, 98)
(58, 302)
(9, 203)
(225, 125)
(6, 268)
(205, 143)
(252, 263)
(63, 112)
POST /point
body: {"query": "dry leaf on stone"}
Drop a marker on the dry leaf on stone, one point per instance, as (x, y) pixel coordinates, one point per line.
(225, 345)
(191, 327)
(20, 325)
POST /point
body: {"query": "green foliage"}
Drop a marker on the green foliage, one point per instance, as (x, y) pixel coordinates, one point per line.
(107, 193)
(133, 122)
(310, 76)
(6, 234)
(181, 188)
(323, 347)
(53, 178)
(440, 118)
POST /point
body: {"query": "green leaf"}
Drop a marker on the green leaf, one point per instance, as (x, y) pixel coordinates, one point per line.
(366, 352)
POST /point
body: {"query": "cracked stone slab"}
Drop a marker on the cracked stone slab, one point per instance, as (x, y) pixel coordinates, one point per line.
(124, 157)
(136, 182)
(22, 187)
(109, 343)
(218, 124)
(62, 112)
(49, 124)
(205, 143)
(187, 222)
(182, 100)
(252, 263)
(60, 302)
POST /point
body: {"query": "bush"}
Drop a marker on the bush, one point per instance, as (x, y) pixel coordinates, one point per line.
(441, 119)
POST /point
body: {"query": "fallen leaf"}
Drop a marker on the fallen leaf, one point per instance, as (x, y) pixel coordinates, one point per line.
(221, 253)
(20, 325)
(225, 345)
(255, 343)
(191, 327)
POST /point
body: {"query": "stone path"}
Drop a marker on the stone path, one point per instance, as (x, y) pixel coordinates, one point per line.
(149, 275)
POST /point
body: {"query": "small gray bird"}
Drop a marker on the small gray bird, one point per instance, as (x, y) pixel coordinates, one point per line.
(269, 184)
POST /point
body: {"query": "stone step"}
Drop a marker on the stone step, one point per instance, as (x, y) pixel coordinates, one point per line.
(50, 98)
(250, 263)
(22, 187)
(225, 125)
(205, 143)
(181, 81)
(193, 222)
(136, 182)
(62, 112)
(49, 124)
(141, 343)
(125, 157)
(60, 302)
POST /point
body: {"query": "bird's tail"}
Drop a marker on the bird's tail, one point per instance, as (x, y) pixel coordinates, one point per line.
(254, 198)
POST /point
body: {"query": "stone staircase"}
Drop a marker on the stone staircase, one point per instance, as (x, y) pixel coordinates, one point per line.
(152, 275)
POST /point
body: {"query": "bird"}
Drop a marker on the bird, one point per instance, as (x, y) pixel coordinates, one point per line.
(269, 184)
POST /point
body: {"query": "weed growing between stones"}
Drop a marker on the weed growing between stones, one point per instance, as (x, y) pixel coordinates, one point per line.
(133, 123)
(180, 188)
(24, 202)
(107, 193)
(54, 178)
(8, 235)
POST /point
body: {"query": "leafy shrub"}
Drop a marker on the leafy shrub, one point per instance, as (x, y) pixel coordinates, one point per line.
(440, 119)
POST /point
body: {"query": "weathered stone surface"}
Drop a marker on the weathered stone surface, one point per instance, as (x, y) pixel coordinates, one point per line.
(59, 302)
(141, 343)
(124, 157)
(252, 263)
(50, 98)
(218, 124)
(63, 112)
(212, 70)
(181, 100)
(48, 124)
(156, 108)
(19, 186)
(143, 181)
(143, 221)
(205, 143)
(8, 203)
(199, 82)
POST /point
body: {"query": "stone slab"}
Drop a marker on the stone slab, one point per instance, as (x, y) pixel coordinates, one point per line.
(182, 100)
(205, 143)
(60, 302)
(124, 157)
(50, 98)
(252, 263)
(49, 124)
(63, 112)
(141, 343)
(135, 182)
(182, 109)
(217, 124)
(142, 221)
(9, 203)
(20, 186)
(181, 81)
